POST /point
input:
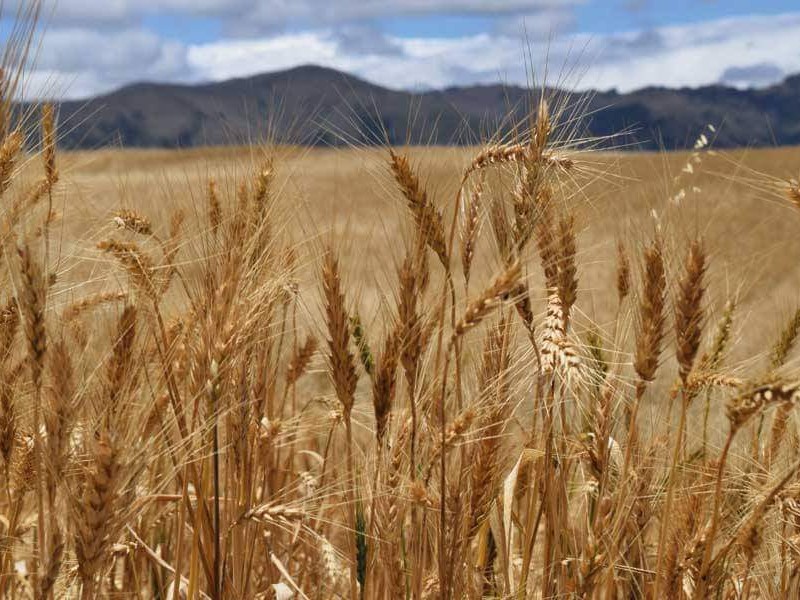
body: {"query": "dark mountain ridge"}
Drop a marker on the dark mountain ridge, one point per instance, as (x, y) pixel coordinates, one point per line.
(317, 105)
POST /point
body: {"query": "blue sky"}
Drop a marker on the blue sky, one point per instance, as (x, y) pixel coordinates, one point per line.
(94, 46)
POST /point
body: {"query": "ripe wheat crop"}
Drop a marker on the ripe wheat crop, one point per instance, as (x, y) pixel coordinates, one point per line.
(522, 370)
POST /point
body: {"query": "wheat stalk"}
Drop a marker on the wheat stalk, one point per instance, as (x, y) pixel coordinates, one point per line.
(214, 206)
(343, 374)
(133, 221)
(689, 314)
(135, 262)
(793, 192)
(49, 145)
(479, 308)
(343, 371)
(623, 273)
(385, 382)
(650, 321)
(498, 154)
(12, 144)
(302, 359)
(426, 216)
(471, 228)
(96, 511)
(567, 270)
(76, 309)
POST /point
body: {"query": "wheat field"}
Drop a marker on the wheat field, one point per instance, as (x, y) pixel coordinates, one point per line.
(524, 369)
(741, 211)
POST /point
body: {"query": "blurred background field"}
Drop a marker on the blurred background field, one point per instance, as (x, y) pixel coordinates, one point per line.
(347, 195)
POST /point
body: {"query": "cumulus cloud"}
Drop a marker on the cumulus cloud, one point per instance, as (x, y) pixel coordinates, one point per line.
(238, 58)
(76, 62)
(76, 49)
(696, 54)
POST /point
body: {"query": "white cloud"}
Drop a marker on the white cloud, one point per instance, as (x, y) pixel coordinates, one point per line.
(277, 12)
(418, 63)
(271, 13)
(75, 62)
(701, 53)
(75, 49)
(124, 13)
(687, 55)
(239, 58)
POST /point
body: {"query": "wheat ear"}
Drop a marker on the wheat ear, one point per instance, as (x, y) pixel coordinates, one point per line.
(689, 314)
(427, 217)
(479, 308)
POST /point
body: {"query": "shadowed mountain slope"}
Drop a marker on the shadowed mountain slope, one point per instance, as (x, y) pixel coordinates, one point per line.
(316, 105)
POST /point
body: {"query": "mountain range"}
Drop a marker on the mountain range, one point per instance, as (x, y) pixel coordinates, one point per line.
(317, 105)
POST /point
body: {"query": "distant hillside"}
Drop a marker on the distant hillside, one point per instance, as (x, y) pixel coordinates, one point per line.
(323, 106)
